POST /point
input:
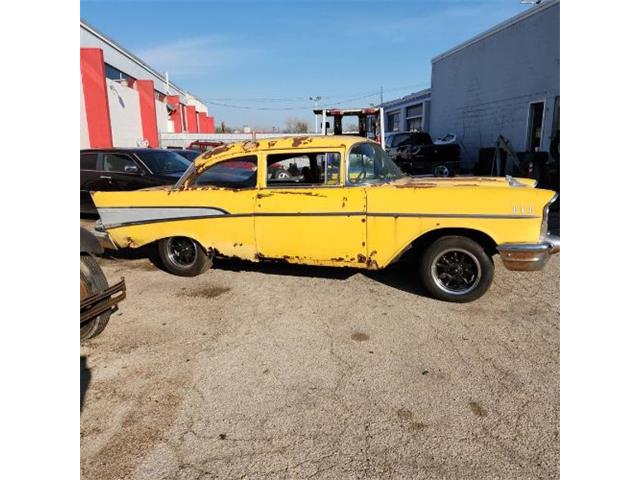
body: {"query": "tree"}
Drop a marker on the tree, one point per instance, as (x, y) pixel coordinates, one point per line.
(295, 125)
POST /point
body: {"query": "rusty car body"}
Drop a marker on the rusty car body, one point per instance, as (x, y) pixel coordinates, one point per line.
(352, 207)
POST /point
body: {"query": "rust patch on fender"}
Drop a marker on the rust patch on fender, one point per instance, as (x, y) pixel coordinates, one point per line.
(362, 258)
(272, 143)
(309, 194)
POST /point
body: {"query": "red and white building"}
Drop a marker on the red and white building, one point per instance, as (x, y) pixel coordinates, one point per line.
(126, 103)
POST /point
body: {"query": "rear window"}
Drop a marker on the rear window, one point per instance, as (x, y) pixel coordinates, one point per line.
(164, 161)
(88, 161)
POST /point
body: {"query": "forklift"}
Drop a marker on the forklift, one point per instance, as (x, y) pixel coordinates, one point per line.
(370, 122)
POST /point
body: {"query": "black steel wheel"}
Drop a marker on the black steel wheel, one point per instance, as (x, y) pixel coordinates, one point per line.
(183, 256)
(456, 269)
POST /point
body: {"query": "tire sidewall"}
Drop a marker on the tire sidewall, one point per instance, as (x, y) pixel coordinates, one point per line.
(96, 280)
(433, 251)
(201, 264)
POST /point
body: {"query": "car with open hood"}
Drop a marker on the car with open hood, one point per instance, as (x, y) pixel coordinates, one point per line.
(351, 206)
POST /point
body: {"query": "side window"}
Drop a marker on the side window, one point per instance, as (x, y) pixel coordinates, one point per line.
(361, 163)
(118, 162)
(294, 169)
(240, 172)
(88, 161)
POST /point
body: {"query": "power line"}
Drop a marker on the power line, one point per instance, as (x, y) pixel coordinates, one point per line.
(220, 102)
(288, 99)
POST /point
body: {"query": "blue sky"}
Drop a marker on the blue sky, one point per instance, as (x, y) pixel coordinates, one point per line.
(268, 57)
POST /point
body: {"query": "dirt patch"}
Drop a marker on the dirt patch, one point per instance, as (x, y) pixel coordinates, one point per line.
(477, 410)
(137, 428)
(404, 414)
(359, 337)
(416, 426)
(206, 292)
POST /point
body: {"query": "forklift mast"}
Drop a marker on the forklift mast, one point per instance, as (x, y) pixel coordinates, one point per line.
(370, 122)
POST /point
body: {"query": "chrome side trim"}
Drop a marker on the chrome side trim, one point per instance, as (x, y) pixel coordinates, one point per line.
(113, 216)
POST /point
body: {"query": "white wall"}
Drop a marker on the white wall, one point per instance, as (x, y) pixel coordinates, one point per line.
(124, 108)
(184, 139)
(162, 118)
(84, 131)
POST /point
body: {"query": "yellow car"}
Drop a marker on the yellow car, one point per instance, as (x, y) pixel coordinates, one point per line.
(342, 203)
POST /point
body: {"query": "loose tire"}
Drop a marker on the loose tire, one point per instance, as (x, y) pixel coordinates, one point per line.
(92, 281)
(183, 256)
(456, 269)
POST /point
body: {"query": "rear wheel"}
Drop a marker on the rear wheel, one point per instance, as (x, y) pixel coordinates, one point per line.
(456, 269)
(441, 171)
(92, 281)
(183, 256)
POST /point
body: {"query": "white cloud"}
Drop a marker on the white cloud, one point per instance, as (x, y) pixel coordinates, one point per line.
(196, 56)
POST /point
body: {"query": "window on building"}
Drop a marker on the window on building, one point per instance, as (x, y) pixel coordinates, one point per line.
(414, 118)
(293, 169)
(534, 131)
(113, 73)
(393, 122)
(240, 172)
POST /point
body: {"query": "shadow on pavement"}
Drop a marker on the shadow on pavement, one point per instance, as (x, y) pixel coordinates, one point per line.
(85, 379)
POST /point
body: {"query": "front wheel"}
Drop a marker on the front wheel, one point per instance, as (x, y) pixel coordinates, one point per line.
(183, 256)
(456, 269)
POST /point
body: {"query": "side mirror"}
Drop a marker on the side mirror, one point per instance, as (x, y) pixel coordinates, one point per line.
(131, 169)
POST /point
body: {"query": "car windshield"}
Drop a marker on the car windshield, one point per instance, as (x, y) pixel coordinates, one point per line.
(190, 155)
(369, 163)
(164, 161)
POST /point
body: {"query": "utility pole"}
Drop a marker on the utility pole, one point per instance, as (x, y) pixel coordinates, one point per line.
(381, 100)
(315, 100)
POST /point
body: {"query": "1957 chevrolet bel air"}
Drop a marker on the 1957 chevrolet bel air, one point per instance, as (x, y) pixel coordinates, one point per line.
(343, 203)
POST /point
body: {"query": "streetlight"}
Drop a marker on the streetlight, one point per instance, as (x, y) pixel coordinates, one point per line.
(315, 100)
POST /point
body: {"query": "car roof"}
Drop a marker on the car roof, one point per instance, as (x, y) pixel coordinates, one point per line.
(126, 149)
(307, 142)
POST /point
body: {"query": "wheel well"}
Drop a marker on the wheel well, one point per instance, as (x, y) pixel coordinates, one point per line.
(485, 241)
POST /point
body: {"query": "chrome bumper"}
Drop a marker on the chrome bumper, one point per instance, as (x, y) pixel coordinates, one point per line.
(529, 256)
(105, 240)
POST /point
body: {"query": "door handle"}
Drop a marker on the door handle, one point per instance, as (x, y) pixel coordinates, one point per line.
(105, 177)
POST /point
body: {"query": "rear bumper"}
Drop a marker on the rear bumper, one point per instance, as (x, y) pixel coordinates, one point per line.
(105, 240)
(529, 256)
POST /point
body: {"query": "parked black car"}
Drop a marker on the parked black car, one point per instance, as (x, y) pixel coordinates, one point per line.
(126, 169)
(190, 155)
(416, 154)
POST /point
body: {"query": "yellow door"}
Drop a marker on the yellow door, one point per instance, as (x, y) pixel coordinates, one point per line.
(304, 215)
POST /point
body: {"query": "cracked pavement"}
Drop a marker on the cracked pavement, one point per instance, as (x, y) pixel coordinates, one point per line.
(280, 371)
